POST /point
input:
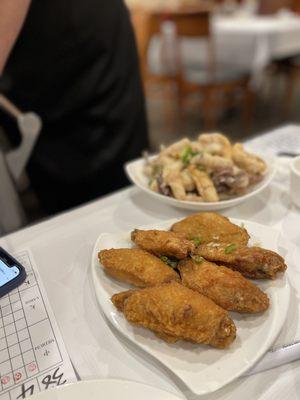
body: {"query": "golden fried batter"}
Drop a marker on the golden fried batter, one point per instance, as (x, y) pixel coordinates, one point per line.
(175, 312)
(211, 227)
(163, 243)
(136, 266)
(252, 262)
(227, 288)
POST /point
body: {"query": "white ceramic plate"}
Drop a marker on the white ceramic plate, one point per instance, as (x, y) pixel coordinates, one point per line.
(105, 389)
(134, 171)
(201, 368)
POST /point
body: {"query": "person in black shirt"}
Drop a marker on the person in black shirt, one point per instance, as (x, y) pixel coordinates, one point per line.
(75, 64)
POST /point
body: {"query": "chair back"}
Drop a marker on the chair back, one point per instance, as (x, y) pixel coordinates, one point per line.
(188, 23)
(194, 24)
(267, 7)
(296, 6)
(12, 165)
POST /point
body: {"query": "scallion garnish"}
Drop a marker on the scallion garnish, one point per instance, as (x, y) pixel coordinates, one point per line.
(196, 240)
(170, 263)
(230, 248)
(164, 259)
(186, 155)
(157, 169)
(198, 259)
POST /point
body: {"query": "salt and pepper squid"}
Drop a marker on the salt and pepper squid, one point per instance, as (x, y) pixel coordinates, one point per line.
(208, 169)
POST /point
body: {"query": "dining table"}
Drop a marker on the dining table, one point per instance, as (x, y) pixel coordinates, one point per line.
(254, 41)
(62, 249)
(246, 42)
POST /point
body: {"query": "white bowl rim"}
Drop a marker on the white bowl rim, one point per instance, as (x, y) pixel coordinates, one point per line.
(272, 168)
(295, 170)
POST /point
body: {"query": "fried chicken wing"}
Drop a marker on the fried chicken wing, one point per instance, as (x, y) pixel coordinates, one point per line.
(252, 262)
(227, 288)
(211, 227)
(175, 312)
(136, 266)
(163, 243)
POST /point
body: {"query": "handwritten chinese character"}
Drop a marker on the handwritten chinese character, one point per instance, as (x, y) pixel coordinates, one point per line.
(54, 379)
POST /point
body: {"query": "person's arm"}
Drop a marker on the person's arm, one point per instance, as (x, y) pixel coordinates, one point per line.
(12, 16)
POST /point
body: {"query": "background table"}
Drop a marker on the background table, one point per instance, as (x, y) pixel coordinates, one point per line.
(249, 43)
(62, 249)
(254, 42)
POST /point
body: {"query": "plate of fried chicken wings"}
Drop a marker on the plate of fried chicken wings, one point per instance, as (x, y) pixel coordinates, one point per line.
(206, 174)
(205, 296)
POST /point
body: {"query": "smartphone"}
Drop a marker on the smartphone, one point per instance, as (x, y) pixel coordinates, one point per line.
(12, 273)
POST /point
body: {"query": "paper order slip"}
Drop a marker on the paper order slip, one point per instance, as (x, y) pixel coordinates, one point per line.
(33, 356)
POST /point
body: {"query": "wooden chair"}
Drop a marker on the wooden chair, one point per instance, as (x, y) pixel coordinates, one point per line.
(288, 67)
(211, 80)
(296, 6)
(12, 165)
(267, 7)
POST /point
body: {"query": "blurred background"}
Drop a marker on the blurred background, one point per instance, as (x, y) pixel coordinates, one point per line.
(205, 66)
(245, 65)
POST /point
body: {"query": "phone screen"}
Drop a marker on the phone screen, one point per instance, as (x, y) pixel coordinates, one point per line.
(7, 273)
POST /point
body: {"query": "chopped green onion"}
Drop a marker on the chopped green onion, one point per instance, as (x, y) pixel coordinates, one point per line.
(230, 248)
(201, 168)
(157, 169)
(170, 263)
(196, 240)
(186, 155)
(164, 259)
(198, 259)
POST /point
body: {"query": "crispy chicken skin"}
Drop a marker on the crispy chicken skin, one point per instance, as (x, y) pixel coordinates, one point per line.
(211, 227)
(175, 312)
(136, 267)
(227, 288)
(163, 243)
(252, 262)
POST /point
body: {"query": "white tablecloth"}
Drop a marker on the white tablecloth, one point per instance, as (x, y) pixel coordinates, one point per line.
(62, 249)
(245, 43)
(253, 42)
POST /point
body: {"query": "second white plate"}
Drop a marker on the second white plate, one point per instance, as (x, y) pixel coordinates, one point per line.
(201, 368)
(135, 172)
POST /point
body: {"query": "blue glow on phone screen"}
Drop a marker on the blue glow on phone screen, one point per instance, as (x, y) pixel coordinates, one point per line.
(7, 274)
